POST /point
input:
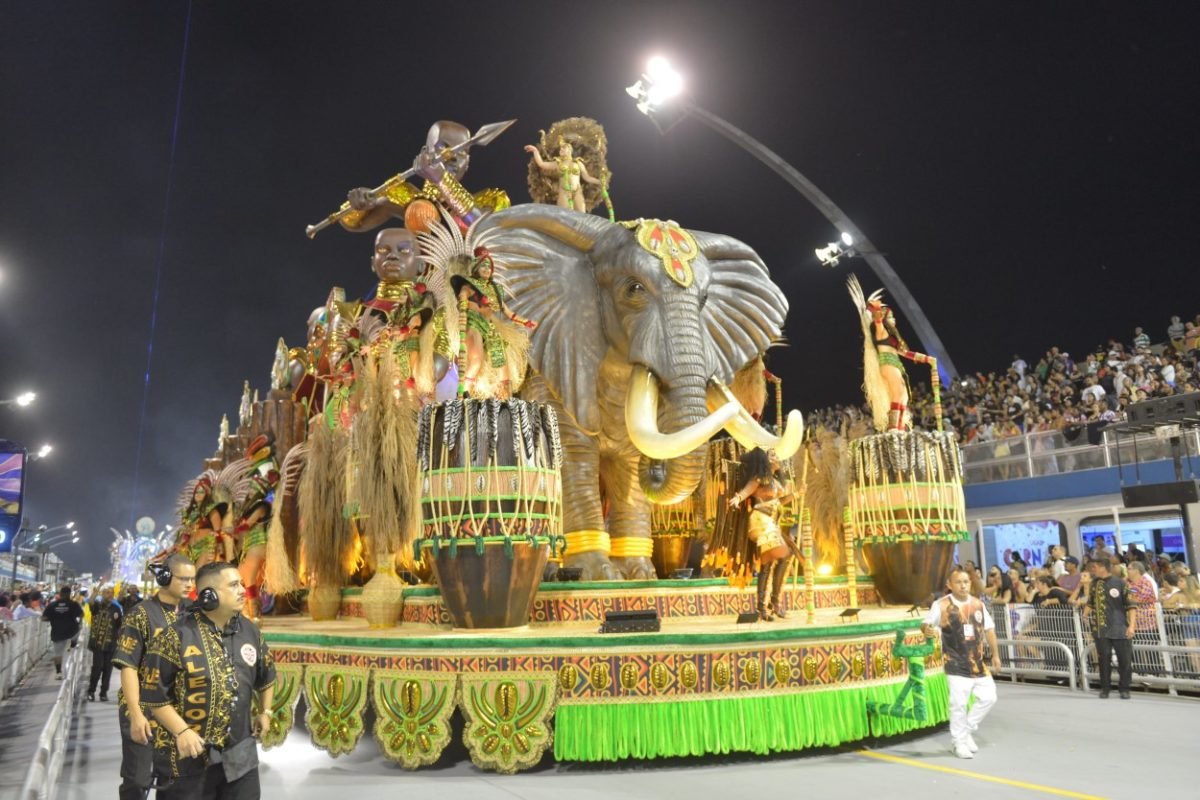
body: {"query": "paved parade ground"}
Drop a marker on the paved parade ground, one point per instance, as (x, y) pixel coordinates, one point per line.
(1037, 742)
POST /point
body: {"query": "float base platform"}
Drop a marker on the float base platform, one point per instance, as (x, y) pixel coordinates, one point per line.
(698, 686)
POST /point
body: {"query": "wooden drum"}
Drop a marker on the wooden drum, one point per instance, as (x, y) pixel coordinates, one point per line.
(907, 511)
(490, 505)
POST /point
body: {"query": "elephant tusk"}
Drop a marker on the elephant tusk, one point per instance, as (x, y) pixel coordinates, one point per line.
(641, 420)
(746, 431)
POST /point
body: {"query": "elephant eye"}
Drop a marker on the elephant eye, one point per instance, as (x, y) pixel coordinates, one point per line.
(703, 300)
(634, 288)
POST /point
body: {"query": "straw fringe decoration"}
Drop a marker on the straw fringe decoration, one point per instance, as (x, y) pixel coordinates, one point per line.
(326, 540)
(384, 457)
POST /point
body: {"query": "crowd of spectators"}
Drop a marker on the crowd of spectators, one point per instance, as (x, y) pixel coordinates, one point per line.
(28, 600)
(1059, 392)
(1064, 580)
(1158, 584)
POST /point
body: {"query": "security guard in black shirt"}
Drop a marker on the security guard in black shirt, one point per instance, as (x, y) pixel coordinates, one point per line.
(175, 577)
(106, 623)
(198, 679)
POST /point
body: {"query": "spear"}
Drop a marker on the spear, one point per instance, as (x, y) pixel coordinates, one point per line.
(482, 137)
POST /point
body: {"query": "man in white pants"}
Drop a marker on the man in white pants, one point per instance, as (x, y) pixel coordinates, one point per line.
(964, 622)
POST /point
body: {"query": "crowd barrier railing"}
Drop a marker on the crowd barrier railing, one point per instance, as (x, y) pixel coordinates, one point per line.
(22, 643)
(1056, 643)
(42, 777)
(1034, 455)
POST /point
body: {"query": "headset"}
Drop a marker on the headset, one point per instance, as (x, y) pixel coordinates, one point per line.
(207, 600)
(162, 574)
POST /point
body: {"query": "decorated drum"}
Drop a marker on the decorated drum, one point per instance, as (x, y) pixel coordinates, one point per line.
(672, 529)
(490, 505)
(907, 511)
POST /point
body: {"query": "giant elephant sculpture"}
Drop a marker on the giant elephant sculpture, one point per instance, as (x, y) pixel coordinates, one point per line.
(628, 314)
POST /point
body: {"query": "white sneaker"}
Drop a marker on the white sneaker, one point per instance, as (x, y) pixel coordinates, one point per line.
(970, 742)
(962, 750)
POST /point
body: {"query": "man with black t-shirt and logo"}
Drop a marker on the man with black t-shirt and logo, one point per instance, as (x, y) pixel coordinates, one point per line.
(66, 618)
(964, 622)
(1111, 613)
(199, 678)
(176, 577)
(102, 641)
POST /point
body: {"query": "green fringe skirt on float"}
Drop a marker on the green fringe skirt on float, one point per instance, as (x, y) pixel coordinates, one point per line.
(760, 724)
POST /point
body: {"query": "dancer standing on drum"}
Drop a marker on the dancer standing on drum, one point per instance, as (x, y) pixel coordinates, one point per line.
(766, 488)
(884, 379)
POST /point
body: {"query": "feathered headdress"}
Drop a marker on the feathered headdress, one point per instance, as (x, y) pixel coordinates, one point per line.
(873, 385)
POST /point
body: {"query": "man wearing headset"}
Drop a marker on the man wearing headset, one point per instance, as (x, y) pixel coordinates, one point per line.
(198, 679)
(175, 578)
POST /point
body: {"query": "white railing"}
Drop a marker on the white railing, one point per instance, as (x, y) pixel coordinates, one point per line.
(1056, 643)
(21, 645)
(1034, 455)
(42, 777)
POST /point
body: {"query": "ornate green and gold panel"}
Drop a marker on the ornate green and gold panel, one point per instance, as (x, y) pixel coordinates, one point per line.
(508, 717)
(336, 698)
(412, 711)
(288, 679)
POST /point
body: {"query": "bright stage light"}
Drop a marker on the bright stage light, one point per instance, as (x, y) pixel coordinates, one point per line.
(829, 255)
(657, 67)
(824, 569)
(847, 239)
(45, 450)
(26, 398)
(660, 84)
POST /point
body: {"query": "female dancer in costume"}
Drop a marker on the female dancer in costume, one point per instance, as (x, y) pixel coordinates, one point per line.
(480, 300)
(884, 380)
(256, 498)
(570, 171)
(764, 487)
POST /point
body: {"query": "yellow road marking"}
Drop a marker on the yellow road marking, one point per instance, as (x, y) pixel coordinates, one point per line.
(1033, 787)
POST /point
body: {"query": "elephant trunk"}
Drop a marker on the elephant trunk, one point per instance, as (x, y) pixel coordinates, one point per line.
(670, 474)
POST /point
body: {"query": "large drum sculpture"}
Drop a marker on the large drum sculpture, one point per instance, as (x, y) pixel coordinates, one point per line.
(490, 505)
(673, 530)
(907, 510)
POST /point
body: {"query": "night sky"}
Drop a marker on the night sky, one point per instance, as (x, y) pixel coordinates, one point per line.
(1030, 169)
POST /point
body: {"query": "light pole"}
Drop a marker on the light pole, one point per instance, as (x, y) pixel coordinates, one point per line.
(38, 532)
(45, 547)
(59, 539)
(660, 96)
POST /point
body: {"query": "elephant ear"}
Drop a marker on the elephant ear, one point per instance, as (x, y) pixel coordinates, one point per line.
(745, 310)
(542, 256)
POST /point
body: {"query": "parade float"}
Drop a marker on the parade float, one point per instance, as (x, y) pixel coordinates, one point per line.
(527, 479)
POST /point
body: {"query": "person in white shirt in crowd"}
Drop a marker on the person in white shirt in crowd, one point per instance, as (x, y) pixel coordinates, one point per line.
(1058, 561)
(964, 622)
(1020, 366)
(26, 609)
(1093, 391)
(1175, 333)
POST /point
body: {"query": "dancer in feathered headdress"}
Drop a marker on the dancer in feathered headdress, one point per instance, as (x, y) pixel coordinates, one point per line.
(884, 380)
(255, 497)
(493, 341)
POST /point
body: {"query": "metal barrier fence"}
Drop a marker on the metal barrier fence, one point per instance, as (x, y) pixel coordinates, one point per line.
(1056, 643)
(47, 763)
(1033, 455)
(22, 643)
